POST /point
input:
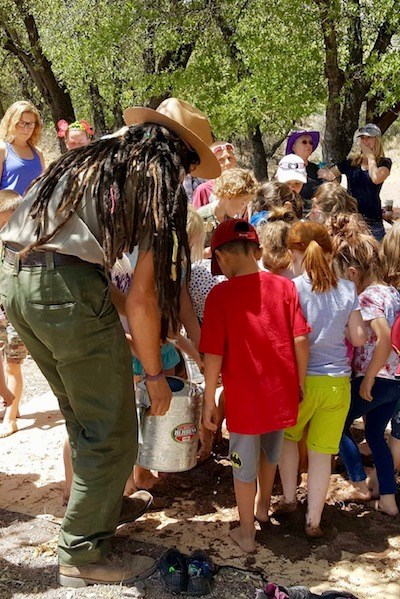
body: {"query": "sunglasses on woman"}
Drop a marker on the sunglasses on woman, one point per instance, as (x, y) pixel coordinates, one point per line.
(26, 124)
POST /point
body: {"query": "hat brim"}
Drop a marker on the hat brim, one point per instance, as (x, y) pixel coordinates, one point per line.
(363, 134)
(209, 167)
(291, 175)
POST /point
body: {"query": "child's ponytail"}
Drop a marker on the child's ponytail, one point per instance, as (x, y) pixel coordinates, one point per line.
(313, 240)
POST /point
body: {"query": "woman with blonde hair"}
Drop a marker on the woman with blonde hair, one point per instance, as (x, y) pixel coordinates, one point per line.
(330, 305)
(20, 160)
(366, 170)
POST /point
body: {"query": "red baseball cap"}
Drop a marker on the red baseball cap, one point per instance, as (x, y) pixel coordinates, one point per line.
(234, 229)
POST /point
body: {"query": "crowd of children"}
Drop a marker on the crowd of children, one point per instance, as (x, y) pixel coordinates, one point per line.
(327, 333)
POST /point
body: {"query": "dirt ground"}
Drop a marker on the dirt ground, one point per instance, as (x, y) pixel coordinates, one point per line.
(193, 510)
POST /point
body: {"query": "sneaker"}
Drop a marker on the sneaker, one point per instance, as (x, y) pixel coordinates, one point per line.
(134, 506)
(126, 569)
(173, 568)
(200, 572)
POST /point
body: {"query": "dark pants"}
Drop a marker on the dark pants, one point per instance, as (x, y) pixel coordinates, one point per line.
(66, 319)
(377, 413)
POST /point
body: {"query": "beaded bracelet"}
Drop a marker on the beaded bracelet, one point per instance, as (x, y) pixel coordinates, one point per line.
(154, 377)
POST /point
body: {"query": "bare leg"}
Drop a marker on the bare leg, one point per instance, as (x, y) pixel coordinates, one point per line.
(143, 478)
(68, 470)
(372, 482)
(288, 469)
(14, 384)
(265, 483)
(319, 473)
(394, 446)
(130, 486)
(5, 392)
(244, 535)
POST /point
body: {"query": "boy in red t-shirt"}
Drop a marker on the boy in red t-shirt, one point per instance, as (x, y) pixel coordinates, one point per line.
(255, 334)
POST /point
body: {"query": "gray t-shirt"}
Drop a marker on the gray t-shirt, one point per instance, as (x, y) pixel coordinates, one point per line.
(328, 314)
(79, 236)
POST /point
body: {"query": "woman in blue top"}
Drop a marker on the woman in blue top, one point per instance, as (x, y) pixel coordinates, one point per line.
(365, 171)
(20, 160)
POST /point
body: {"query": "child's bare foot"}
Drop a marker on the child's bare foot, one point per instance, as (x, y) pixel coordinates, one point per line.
(145, 479)
(246, 541)
(387, 505)
(372, 483)
(356, 491)
(284, 507)
(313, 531)
(8, 428)
(364, 448)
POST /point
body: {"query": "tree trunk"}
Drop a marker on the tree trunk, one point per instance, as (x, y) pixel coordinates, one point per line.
(385, 119)
(117, 112)
(259, 155)
(347, 90)
(97, 104)
(38, 66)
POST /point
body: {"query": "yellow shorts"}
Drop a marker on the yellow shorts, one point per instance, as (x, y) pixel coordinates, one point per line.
(324, 408)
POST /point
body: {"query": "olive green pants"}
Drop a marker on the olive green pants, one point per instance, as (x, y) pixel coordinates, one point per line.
(66, 319)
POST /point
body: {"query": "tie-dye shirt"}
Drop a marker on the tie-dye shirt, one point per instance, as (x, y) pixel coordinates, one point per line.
(377, 301)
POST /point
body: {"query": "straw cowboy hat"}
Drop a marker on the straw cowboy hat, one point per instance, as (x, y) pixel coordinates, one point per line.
(189, 123)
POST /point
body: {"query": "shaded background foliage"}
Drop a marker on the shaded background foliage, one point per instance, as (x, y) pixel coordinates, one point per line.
(256, 67)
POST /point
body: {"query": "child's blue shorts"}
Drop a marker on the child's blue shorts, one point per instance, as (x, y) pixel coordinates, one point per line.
(169, 359)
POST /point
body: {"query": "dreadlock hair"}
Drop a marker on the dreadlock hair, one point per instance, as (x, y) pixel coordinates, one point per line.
(135, 182)
(313, 240)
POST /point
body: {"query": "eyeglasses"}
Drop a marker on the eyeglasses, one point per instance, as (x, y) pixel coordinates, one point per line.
(292, 166)
(307, 142)
(26, 124)
(222, 147)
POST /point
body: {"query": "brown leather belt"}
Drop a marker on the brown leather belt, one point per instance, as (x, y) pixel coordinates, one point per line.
(39, 258)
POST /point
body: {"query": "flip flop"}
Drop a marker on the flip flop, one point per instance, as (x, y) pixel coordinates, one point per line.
(134, 506)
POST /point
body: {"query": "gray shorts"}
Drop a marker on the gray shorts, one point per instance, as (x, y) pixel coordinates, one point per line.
(244, 452)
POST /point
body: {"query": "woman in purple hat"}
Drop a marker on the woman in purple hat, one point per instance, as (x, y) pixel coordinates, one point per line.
(303, 143)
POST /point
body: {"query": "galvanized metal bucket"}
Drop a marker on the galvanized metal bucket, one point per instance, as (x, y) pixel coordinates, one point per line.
(169, 443)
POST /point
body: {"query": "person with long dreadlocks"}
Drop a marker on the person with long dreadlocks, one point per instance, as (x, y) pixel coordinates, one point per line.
(90, 206)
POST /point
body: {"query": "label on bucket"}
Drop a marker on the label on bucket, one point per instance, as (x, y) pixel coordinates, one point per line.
(184, 433)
